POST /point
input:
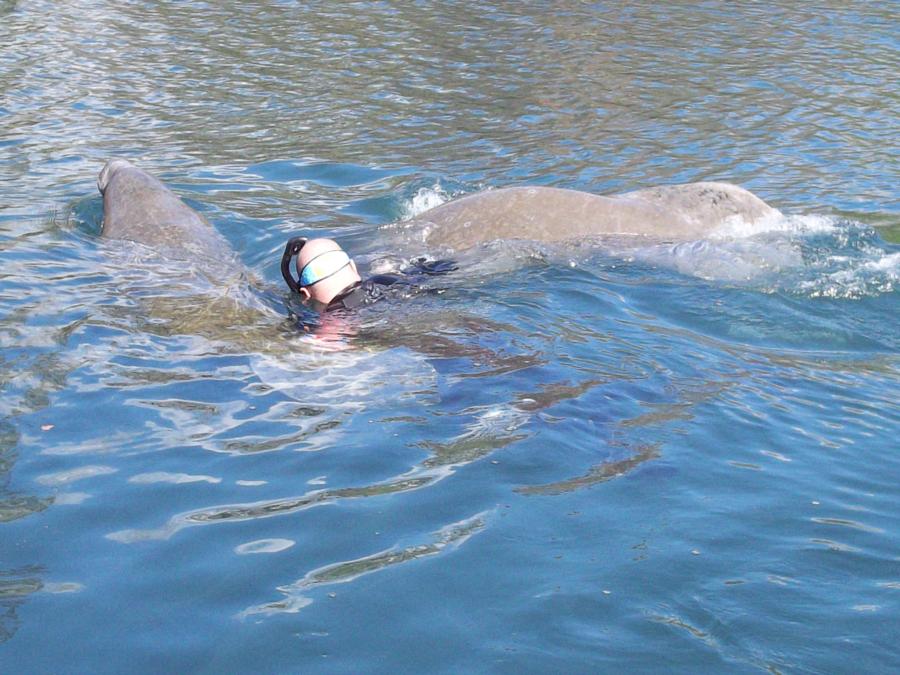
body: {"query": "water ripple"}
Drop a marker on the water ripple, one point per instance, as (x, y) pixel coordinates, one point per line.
(451, 536)
(687, 446)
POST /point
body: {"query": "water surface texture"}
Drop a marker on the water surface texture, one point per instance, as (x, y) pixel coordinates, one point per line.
(596, 456)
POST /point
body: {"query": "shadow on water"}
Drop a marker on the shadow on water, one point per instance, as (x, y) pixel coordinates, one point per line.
(28, 379)
(27, 382)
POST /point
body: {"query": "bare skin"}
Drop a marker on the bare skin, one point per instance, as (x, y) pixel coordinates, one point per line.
(339, 279)
(670, 213)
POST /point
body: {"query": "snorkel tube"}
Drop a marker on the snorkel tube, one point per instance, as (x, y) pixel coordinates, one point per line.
(291, 249)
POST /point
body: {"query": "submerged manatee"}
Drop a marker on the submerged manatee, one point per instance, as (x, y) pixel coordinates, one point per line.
(668, 213)
(214, 294)
(138, 207)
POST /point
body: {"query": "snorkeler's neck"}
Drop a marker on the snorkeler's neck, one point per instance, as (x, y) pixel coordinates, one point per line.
(344, 293)
(337, 301)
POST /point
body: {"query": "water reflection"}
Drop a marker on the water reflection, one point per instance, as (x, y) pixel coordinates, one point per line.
(486, 431)
(597, 474)
(239, 512)
(14, 505)
(15, 587)
(297, 594)
(264, 546)
(711, 357)
(607, 110)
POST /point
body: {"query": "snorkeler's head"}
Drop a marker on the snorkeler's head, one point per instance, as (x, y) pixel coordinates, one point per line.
(323, 269)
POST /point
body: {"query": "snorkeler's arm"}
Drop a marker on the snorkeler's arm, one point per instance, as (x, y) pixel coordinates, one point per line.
(414, 272)
(387, 279)
(431, 268)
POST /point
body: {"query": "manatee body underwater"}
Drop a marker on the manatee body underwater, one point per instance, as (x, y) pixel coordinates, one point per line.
(669, 213)
(139, 208)
(214, 294)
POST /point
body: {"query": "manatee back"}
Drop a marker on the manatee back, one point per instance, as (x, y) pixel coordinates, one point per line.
(138, 207)
(706, 205)
(667, 213)
(535, 212)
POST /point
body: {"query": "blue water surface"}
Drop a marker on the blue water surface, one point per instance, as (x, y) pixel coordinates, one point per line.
(592, 456)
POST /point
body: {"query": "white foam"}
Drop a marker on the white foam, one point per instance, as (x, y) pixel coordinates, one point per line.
(889, 264)
(857, 277)
(736, 260)
(738, 227)
(423, 200)
(819, 255)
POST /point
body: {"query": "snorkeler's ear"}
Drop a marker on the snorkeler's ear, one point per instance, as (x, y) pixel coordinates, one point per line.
(305, 294)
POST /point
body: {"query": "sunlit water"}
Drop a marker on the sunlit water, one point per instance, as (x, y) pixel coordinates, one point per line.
(601, 455)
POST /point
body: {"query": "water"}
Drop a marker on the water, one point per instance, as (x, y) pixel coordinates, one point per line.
(576, 458)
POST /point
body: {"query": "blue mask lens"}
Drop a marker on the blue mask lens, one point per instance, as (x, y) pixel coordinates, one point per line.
(323, 266)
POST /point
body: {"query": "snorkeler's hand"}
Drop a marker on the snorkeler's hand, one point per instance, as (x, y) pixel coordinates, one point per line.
(431, 267)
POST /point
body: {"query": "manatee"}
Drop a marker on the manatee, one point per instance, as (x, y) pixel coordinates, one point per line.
(668, 213)
(139, 208)
(214, 294)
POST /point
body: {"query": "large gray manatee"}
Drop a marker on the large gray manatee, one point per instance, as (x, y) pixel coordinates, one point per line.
(138, 207)
(214, 294)
(668, 213)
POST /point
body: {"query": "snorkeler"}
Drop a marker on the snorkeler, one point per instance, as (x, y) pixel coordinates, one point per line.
(328, 279)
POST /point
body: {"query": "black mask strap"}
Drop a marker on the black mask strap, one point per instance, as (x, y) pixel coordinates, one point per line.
(291, 249)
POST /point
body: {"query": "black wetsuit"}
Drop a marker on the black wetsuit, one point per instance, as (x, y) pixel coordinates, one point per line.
(375, 288)
(365, 292)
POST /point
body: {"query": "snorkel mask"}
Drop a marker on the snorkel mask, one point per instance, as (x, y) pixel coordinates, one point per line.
(319, 268)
